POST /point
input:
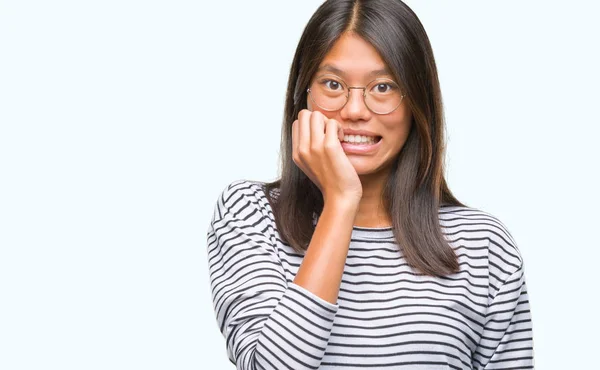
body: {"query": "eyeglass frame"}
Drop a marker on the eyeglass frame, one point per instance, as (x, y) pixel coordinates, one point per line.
(364, 94)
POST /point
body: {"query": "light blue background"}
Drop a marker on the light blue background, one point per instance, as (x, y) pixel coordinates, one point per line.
(121, 121)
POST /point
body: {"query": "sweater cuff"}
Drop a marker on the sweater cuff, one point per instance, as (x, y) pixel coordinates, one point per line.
(298, 331)
(321, 306)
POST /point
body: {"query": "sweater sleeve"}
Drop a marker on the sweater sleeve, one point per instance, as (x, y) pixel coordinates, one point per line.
(507, 339)
(267, 322)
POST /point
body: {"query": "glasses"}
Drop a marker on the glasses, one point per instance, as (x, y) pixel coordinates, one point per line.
(331, 93)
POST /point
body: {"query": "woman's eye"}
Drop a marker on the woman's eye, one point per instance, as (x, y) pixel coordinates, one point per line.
(332, 85)
(382, 88)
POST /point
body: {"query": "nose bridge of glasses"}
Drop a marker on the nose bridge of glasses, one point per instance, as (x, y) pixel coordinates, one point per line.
(363, 93)
(362, 97)
(363, 88)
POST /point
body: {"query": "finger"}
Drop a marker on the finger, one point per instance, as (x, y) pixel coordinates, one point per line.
(304, 131)
(294, 138)
(334, 133)
(317, 129)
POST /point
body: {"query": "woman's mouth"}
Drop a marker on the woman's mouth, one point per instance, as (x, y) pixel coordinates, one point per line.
(361, 139)
(360, 144)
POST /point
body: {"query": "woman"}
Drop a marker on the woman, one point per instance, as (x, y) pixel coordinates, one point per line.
(359, 255)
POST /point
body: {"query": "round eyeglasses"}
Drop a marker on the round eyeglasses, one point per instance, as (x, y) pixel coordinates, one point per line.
(329, 92)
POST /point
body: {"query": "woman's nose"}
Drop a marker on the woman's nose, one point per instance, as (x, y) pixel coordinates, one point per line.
(355, 108)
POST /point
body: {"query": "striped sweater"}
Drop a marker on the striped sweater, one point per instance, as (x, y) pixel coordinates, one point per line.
(386, 315)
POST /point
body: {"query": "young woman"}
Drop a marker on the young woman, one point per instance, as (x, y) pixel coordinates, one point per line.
(359, 256)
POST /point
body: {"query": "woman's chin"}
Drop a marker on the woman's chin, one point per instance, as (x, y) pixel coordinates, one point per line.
(368, 168)
(363, 169)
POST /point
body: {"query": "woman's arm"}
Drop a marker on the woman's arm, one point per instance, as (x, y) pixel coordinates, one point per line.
(268, 322)
(507, 338)
(323, 265)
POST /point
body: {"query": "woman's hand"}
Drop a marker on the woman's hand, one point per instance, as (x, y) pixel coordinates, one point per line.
(317, 151)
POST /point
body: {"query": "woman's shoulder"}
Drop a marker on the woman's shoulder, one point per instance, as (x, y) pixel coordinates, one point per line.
(244, 188)
(244, 195)
(469, 226)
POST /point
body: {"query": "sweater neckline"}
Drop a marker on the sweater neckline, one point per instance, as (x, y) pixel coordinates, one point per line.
(372, 232)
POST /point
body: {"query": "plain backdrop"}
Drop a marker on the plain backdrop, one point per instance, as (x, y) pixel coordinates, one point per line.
(122, 121)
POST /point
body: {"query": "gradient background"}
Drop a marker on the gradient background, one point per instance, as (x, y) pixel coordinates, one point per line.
(121, 122)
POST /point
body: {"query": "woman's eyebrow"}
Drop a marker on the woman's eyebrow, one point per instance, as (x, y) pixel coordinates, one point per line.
(375, 73)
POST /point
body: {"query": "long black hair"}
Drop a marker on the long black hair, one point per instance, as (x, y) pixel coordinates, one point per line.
(416, 187)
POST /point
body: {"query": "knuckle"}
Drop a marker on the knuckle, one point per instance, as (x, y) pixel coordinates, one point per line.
(303, 153)
(317, 115)
(303, 113)
(302, 122)
(329, 147)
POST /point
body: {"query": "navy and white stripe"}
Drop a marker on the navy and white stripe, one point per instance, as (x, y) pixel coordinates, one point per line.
(386, 316)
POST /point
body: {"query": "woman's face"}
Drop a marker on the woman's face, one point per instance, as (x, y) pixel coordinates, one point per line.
(356, 59)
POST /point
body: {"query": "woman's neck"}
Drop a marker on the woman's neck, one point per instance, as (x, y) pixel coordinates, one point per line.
(371, 210)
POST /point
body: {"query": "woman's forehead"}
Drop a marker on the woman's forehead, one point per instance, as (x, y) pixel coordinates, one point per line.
(355, 70)
(352, 56)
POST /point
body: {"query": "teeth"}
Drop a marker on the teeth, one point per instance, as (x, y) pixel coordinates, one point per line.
(359, 139)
